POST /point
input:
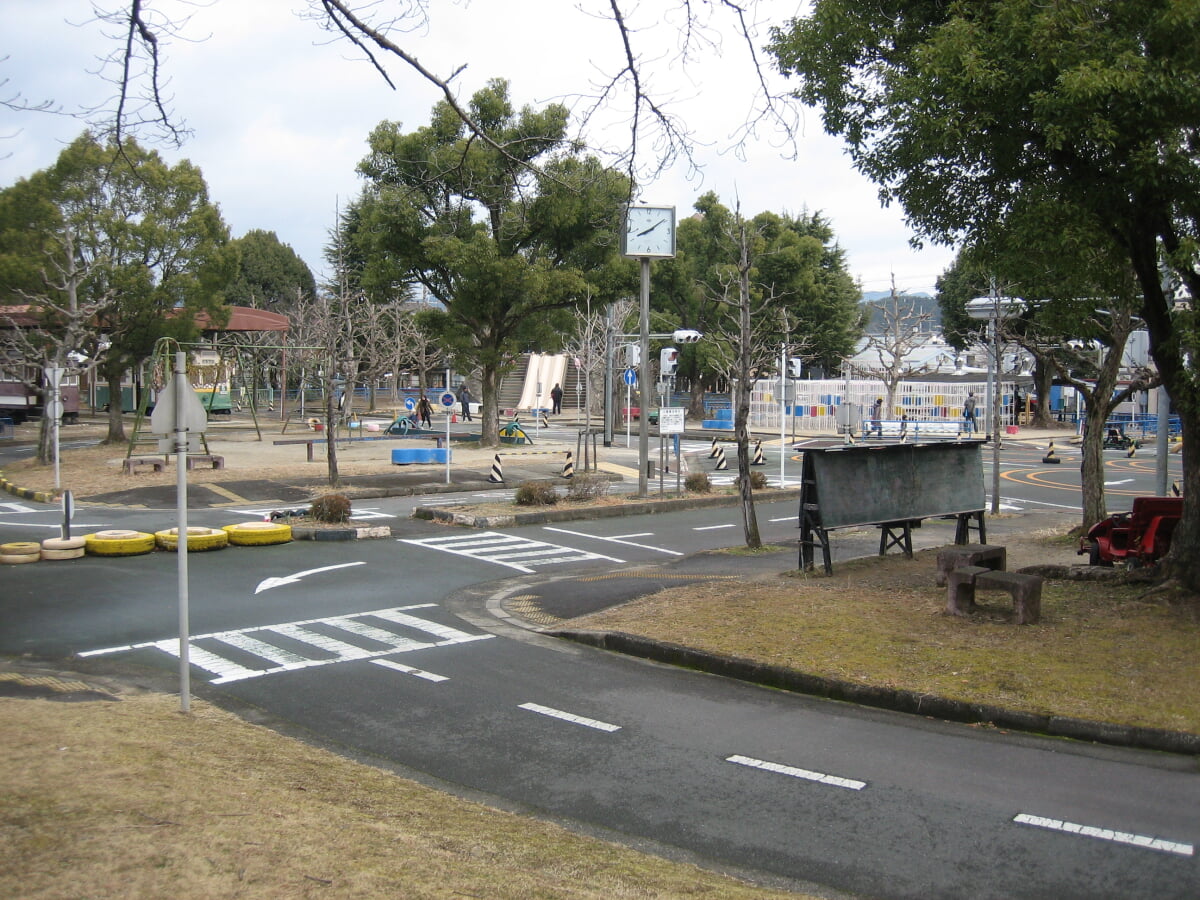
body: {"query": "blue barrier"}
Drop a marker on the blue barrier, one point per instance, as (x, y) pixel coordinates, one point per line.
(404, 456)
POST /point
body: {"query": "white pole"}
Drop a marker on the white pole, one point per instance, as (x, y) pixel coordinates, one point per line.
(782, 411)
(181, 449)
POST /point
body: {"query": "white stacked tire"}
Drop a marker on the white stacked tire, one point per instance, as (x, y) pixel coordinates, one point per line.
(118, 542)
(14, 553)
(198, 538)
(258, 534)
(63, 548)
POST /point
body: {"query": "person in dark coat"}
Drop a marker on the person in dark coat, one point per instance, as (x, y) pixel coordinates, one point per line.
(556, 399)
(425, 412)
(464, 399)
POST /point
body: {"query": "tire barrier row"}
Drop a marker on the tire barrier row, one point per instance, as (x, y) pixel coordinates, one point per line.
(124, 542)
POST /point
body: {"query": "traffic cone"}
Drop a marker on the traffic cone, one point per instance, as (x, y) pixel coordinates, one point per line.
(569, 466)
(1132, 450)
(712, 454)
(758, 455)
(1175, 489)
(544, 420)
(721, 463)
(1050, 457)
(849, 439)
(497, 476)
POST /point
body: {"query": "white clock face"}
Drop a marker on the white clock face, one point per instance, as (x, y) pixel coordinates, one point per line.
(649, 231)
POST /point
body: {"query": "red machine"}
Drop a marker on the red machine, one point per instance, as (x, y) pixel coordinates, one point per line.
(1141, 536)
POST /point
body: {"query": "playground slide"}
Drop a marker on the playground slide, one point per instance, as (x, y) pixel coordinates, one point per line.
(545, 369)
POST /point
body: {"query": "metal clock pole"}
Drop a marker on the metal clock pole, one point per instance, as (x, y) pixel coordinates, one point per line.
(643, 381)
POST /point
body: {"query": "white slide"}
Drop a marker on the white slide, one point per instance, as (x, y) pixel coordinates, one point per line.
(547, 370)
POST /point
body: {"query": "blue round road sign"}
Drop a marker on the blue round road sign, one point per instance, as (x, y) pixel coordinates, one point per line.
(630, 376)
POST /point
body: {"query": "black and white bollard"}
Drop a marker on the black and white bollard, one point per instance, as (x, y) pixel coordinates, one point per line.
(712, 454)
(758, 460)
(569, 466)
(497, 476)
(721, 462)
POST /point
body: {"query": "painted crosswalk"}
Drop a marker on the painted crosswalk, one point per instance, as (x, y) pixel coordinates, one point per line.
(522, 554)
(272, 649)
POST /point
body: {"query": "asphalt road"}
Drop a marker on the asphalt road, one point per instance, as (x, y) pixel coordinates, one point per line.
(398, 649)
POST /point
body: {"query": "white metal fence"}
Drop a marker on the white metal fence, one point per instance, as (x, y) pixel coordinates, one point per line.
(814, 404)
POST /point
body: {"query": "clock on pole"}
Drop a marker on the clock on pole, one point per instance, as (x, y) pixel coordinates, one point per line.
(649, 232)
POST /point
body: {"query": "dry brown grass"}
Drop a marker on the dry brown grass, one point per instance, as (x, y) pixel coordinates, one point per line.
(133, 799)
(1102, 651)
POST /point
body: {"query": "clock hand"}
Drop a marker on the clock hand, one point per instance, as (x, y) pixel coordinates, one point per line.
(650, 229)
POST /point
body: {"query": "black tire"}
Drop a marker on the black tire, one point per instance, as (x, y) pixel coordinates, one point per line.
(1094, 558)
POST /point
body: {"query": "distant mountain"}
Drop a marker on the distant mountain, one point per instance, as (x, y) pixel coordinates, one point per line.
(920, 304)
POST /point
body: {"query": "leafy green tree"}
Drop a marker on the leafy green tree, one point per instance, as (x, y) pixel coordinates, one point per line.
(796, 263)
(269, 273)
(967, 113)
(507, 250)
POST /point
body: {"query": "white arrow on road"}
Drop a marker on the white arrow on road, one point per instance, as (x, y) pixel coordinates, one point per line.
(1122, 481)
(268, 583)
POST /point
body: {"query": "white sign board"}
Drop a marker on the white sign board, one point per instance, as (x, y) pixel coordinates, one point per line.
(670, 419)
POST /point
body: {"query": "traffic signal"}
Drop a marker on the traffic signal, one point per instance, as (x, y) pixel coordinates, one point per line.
(686, 336)
(795, 364)
(668, 362)
(633, 356)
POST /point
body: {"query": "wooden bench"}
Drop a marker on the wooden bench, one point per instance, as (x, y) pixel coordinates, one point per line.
(1025, 590)
(208, 459)
(308, 443)
(132, 464)
(988, 555)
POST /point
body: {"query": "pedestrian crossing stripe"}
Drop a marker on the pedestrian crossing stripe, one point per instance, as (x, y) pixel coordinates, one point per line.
(508, 550)
(272, 649)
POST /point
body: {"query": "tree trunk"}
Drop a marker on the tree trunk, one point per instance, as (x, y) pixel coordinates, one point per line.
(1092, 466)
(45, 447)
(1043, 381)
(331, 427)
(489, 409)
(116, 424)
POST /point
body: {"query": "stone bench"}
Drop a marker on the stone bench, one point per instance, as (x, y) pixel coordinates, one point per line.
(132, 464)
(1025, 590)
(991, 556)
(207, 459)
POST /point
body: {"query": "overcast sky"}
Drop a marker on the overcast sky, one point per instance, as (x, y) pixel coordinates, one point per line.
(281, 114)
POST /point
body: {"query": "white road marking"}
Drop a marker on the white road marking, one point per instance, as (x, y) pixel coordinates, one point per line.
(508, 550)
(409, 670)
(569, 717)
(6, 508)
(268, 583)
(713, 527)
(1122, 481)
(792, 771)
(784, 519)
(256, 641)
(1107, 834)
(618, 539)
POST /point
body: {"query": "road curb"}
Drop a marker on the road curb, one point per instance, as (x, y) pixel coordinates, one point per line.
(566, 513)
(26, 493)
(931, 705)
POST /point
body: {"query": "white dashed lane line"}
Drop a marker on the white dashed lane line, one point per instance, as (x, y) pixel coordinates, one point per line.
(793, 772)
(569, 717)
(1107, 834)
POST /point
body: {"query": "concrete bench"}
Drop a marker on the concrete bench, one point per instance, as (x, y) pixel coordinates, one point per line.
(207, 459)
(1025, 590)
(988, 555)
(132, 464)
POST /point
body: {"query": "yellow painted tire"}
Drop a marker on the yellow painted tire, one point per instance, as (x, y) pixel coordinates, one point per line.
(199, 538)
(75, 543)
(258, 534)
(20, 548)
(63, 553)
(16, 559)
(119, 543)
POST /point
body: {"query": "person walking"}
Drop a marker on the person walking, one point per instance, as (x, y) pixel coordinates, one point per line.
(556, 399)
(425, 412)
(969, 414)
(464, 399)
(877, 418)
